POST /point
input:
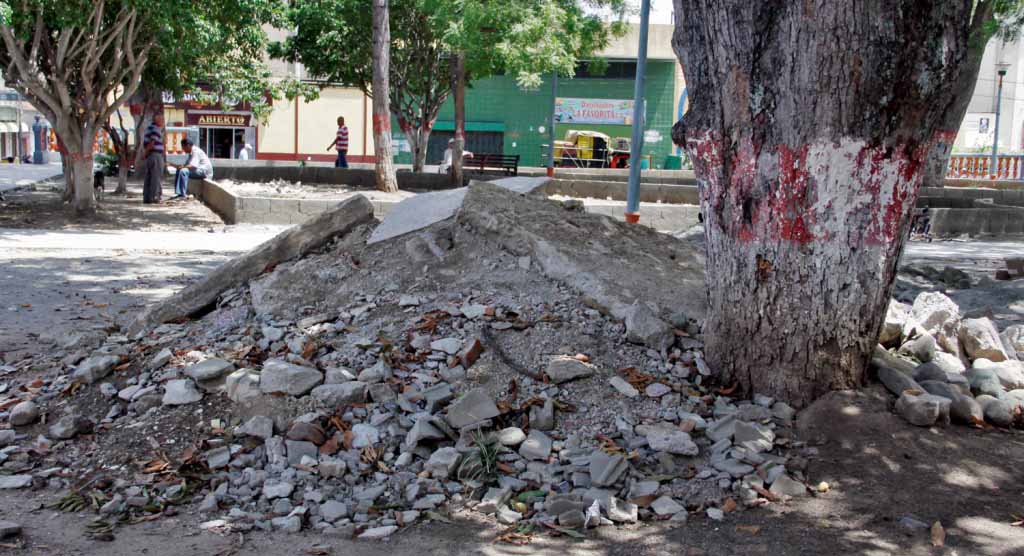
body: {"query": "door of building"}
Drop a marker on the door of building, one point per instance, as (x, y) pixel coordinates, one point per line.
(222, 142)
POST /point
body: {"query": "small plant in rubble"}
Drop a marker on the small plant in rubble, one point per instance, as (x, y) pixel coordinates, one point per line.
(482, 463)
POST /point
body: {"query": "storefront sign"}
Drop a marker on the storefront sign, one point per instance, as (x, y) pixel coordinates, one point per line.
(218, 120)
(594, 111)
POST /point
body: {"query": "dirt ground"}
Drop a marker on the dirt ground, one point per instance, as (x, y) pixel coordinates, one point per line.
(879, 468)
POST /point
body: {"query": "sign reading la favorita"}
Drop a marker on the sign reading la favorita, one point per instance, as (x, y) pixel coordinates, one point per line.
(218, 120)
(594, 111)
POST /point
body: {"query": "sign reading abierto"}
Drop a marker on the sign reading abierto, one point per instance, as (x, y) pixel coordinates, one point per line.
(218, 120)
(594, 111)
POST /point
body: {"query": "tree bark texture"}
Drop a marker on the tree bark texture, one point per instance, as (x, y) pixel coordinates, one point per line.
(809, 127)
(418, 137)
(458, 66)
(385, 167)
(938, 156)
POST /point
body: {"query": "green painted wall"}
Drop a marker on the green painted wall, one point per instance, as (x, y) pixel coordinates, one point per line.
(499, 99)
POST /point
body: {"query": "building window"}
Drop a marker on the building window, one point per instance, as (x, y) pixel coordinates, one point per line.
(615, 70)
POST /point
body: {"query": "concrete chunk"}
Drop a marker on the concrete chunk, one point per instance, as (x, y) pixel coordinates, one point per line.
(281, 377)
(475, 406)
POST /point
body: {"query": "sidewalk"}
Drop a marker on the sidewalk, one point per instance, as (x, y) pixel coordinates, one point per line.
(13, 176)
(229, 240)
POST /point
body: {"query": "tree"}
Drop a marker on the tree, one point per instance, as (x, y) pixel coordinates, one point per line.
(526, 38)
(76, 61)
(385, 164)
(809, 127)
(216, 52)
(991, 18)
(339, 49)
(523, 38)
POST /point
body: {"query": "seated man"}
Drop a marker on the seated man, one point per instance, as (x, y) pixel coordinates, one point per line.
(446, 164)
(196, 166)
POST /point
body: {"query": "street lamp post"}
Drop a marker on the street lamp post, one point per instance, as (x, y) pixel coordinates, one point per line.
(994, 168)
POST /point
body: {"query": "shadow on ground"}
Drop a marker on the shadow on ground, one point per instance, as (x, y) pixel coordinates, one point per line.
(880, 469)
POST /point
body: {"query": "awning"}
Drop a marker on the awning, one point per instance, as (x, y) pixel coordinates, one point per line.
(8, 127)
(449, 125)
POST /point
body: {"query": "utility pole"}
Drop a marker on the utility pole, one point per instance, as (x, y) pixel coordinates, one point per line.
(19, 138)
(994, 168)
(637, 144)
(551, 132)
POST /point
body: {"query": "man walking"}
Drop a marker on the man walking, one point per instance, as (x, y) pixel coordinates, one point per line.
(196, 166)
(153, 150)
(340, 144)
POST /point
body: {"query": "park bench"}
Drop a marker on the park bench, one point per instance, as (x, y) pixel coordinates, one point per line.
(508, 163)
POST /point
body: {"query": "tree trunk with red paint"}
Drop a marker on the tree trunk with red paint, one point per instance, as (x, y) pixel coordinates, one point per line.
(385, 166)
(809, 127)
(418, 137)
(458, 67)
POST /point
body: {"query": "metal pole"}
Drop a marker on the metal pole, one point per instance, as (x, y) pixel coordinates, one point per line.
(551, 132)
(18, 150)
(994, 168)
(637, 144)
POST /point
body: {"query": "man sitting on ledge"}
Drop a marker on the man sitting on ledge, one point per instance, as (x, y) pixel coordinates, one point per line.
(196, 166)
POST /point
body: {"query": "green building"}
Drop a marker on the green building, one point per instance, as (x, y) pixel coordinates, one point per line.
(503, 118)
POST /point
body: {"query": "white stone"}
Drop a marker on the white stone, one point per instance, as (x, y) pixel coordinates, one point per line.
(180, 392)
(623, 387)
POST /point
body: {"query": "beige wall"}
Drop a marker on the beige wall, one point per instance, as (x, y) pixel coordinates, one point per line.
(276, 134)
(317, 121)
(659, 43)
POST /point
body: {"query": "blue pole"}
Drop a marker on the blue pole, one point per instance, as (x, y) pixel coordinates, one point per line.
(551, 132)
(994, 168)
(637, 144)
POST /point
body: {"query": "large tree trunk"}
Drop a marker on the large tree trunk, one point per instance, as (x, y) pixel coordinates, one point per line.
(809, 127)
(938, 156)
(80, 160)
(458, 67)
(386, 180)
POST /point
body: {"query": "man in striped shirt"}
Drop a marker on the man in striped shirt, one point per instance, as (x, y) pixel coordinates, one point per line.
(153, 151)
(340, 144)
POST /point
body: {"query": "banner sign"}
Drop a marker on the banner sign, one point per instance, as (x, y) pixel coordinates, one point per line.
(594, 111)
(218, 120)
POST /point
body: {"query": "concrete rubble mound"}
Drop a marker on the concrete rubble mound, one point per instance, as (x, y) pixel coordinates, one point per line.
(513, 357)
(946, 367)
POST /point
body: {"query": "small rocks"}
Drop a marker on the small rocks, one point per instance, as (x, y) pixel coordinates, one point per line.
(753, 436)
(785, 486)
(211, 369)
(280, 377)
(606, 469)
(666, 506)
(471, 408)
(622, 512)
(338, 395)
(180, 392)
(95, 368)
(895, 381)
(69, 426)
(11, 482)
(243, 386)
(333, 510)
(258, 426)
(511, 436)
(643, 326)
(623, 387)
(24, 413)
(537, 446)
(996, 411)
(450, 346)
(564, 369)
(965, 410)
(667, 438)
(923, 410)
(981, 340)
(423, 430)
(443, 462)
(657, 390)
(272, 490)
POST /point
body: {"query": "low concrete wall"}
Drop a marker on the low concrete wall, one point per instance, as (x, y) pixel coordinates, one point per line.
(1007, 196)
(649, 192)
(994, 221)
(322, 175)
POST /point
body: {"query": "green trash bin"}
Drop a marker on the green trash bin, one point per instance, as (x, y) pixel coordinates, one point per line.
(673, 162)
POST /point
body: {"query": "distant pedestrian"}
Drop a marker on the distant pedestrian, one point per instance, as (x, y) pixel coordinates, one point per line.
(153, 151)
(243, 153)
(196, 166)
(340, 144)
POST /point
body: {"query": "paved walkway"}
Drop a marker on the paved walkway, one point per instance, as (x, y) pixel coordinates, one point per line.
(13, 176)
(235, 239)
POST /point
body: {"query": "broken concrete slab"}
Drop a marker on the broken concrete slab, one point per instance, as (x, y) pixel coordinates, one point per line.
(416, 213)
(474, 407)
(291, 243)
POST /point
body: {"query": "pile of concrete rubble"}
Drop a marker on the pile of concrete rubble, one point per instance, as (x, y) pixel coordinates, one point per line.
(492, 352)
(946, 367)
